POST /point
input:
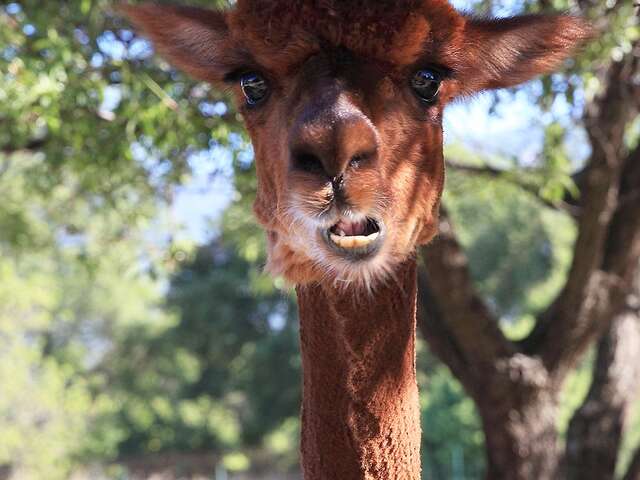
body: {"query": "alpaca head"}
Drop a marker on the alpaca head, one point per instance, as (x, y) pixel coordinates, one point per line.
(343, 101)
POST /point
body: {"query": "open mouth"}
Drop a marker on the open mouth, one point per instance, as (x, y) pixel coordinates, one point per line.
(355, 238)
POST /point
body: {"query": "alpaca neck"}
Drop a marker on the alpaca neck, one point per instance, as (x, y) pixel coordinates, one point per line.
(360, 411)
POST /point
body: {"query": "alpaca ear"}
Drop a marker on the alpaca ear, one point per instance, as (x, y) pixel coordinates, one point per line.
(194, 40)
(505, 52)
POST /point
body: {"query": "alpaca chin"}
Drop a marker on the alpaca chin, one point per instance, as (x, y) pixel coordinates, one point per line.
(300, 257)
(305, 267)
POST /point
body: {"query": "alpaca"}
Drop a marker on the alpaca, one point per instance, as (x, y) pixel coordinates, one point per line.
(343, 101)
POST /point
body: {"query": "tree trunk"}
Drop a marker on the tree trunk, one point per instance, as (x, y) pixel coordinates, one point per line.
(514, 392)
(518, 409)
(633, 473)
(515, 383)
(596, 430)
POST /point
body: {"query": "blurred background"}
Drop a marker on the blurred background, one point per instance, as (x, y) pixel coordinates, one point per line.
(139, 337)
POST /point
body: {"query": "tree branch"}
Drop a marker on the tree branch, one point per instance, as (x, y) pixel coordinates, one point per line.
(460, 328)
(633, 472)
(30, 146)
(433, 327)
(594, 293)
(568, 204)
(619, 265)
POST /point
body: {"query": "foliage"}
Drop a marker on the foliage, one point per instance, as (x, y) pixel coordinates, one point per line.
(42, 407)
(63, 297)
(205, 382)
(119, 341)
(88, 156)
(452, 441)
(82, 88)
(519, 252)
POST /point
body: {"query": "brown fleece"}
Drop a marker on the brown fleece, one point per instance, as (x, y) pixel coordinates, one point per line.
(360, 410)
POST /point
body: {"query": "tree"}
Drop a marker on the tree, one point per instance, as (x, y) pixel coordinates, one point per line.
(81, 183)
(204, 383)
(65, 297)
(516, 384)
(595, 431)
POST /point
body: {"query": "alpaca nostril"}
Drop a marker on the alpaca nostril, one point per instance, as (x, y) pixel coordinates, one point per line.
(307, 162)
(337, 183)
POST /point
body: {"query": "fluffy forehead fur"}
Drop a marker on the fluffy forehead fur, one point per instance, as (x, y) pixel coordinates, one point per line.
(397, 32)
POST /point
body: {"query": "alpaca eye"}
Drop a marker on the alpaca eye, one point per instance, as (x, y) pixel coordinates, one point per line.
(254, 87)
(426, 85)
